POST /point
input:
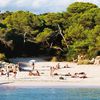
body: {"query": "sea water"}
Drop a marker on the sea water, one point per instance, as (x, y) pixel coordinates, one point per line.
(49, 93)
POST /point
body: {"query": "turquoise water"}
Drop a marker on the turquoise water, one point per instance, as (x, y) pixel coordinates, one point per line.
(14, 93)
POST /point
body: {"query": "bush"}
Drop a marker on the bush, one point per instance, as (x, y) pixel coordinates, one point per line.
(85, 61)
(54, 59)
(2, 56)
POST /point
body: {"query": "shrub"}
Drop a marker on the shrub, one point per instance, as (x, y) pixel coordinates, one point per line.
(2, 56)
(85, 61)
(54, 59)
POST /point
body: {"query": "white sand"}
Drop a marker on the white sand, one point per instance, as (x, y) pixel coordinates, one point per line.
(23, 79)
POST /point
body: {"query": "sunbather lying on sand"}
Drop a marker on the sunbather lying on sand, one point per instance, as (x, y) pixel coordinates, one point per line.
(34, 73)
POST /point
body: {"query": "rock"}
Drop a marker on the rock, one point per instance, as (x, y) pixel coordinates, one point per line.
(97, 60)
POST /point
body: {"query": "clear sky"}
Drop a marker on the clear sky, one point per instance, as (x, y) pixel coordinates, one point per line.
(39, 6)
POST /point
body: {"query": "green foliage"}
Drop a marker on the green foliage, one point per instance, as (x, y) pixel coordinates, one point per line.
(4, 15)
(80, 7)
(22, 21)
(54, 59)
(2, 56)
(87, 20)
(94, 40)
(78, 32)
(14, 36)
(52, 18)
(72, 53)
(43, 36)
(97, 19)
(2, 32)
(73, 34)
(85, 61)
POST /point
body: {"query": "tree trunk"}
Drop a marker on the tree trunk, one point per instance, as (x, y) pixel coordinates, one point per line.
(60, 32)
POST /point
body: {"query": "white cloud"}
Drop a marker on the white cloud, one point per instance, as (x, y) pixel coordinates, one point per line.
(51, 5)
(23, 3)
(39, 3)
(4, 3)
(20, 2)
(43, 3)
(60, 2)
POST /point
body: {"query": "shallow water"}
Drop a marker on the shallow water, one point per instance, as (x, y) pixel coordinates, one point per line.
(33, 93)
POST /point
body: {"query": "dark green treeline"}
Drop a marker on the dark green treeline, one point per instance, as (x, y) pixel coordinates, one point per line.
(64, 35)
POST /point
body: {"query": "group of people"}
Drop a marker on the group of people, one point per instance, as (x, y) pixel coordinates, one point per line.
(9, 70)
(52, 69)
(55, 68)
(76, 75)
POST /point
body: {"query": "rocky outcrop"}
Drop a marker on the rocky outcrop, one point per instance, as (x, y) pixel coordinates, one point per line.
(97, 60)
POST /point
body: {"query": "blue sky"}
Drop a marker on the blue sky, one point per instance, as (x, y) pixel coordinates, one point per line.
(39, 6)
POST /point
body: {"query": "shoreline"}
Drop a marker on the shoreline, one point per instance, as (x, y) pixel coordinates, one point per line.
(49, 85)
(54, 84)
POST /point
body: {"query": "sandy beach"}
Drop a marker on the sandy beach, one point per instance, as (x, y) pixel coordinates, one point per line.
(23, 79)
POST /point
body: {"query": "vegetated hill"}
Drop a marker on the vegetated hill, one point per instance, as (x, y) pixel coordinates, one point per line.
(64, 35)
